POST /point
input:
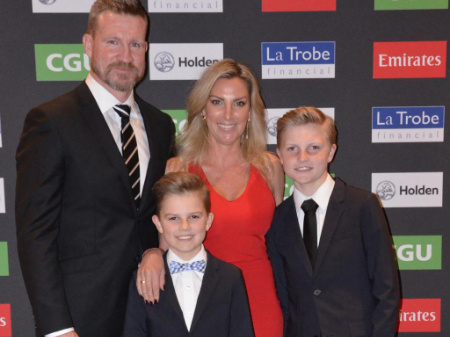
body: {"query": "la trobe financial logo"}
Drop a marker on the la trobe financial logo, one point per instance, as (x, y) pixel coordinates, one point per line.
(298, 60)
(185, 6)
(422, 59)
(416, 124)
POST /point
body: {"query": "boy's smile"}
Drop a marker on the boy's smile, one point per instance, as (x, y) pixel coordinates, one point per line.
(183, 223)
(305, 153)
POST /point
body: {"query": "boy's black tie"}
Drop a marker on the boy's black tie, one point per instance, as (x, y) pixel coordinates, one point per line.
(309, 207)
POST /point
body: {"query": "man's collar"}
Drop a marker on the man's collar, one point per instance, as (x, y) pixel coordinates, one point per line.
(105, 100)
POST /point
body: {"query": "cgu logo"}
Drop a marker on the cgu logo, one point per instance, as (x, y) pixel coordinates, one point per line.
(419, 252)
(409, 253)
(61, 62)
(71, 62)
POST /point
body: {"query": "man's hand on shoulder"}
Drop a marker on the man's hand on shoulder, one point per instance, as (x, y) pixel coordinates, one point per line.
(151, 275)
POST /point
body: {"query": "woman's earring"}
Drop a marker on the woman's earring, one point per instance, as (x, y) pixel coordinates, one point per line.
(204, 117)
(248, 122)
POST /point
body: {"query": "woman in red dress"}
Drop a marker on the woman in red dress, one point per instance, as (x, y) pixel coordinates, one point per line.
(224, 142)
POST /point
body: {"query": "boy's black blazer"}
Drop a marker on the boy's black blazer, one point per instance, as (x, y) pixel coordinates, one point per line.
(222, 307)
(354, 288)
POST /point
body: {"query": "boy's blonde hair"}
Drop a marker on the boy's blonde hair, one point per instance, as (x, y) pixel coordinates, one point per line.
(306, 115)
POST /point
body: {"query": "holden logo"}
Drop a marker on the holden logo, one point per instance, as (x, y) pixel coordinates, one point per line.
(272, 126)
(386, 190)
(164, 62)
(47, 2)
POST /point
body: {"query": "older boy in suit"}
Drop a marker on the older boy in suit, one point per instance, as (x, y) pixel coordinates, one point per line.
(329, 243)
(204, 296)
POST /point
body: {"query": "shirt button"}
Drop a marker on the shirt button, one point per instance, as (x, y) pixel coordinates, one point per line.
(317, 292)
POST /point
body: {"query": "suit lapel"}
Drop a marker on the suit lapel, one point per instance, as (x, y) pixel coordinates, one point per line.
(149, 129)
(170, 293)
(292, 228)
(209, 283)
(97, 124)
(332, 217)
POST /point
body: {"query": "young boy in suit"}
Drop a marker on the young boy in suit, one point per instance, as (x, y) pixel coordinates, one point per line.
(329, 243)
(204, 296)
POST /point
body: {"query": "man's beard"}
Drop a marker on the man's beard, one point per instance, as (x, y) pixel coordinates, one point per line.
(123, 81)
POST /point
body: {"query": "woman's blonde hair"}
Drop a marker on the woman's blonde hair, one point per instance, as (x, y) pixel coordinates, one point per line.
(193, 141)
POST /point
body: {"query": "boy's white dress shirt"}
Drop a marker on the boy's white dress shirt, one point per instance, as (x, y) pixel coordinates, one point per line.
(187, 284)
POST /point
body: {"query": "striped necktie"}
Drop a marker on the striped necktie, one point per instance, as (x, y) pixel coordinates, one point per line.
(130, 150)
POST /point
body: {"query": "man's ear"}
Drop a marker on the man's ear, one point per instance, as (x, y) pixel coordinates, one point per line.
(88, 43)
(157, 223)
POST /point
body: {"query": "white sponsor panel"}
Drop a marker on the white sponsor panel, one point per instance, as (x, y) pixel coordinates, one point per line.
(298, 59)
(410, 124)
(2, 196)
(182, 61)
(273, 115)
(185, 6)
(62, 6)
(406, 189)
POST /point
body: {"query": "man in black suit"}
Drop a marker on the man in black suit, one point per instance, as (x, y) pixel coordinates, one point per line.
(329, 243)
(204, 296)
(86, 163)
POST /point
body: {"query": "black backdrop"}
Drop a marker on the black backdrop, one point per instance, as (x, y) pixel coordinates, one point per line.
(242, 27)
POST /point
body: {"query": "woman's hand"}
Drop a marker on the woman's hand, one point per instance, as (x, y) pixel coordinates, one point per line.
(151, 275)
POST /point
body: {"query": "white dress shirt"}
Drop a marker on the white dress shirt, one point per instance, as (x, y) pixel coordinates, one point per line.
(105, 101)
(321, 197)
(187, 285)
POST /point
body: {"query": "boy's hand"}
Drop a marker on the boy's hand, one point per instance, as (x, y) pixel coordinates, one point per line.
(151, 275)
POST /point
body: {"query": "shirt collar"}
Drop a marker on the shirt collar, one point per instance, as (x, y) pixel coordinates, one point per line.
(171, 256)
(105, 100)
(321, 196)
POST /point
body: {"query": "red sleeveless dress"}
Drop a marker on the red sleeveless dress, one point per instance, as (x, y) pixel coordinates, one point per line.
(237, 236)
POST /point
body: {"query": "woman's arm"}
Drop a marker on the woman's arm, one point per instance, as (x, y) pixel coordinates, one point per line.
(276, 178)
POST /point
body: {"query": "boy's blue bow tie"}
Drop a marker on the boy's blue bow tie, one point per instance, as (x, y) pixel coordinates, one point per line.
(176, 267)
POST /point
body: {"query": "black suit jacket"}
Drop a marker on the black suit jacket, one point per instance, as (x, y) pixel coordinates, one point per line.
(79, 234)
(222, 307)
(353, 289)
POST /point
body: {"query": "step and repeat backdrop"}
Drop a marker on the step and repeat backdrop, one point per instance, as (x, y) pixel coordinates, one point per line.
(378, 67)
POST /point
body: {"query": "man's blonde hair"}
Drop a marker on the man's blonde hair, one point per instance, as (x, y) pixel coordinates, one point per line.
(130, 7)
